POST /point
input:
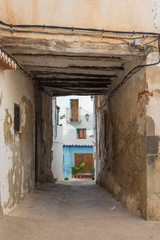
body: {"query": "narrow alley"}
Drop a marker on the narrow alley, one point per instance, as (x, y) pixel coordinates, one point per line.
(70, 210)
(79, 120)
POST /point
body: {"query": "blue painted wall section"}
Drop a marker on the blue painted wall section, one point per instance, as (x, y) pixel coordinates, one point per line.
(68, 157)
(76, 132)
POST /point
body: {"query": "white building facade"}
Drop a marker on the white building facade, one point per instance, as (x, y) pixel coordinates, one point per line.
(73, 132)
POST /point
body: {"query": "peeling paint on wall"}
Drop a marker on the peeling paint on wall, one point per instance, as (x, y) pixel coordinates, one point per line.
(17, 148)
(153, 144)
(131, 158)
(123, 156)
(21, 146)
(7, 127)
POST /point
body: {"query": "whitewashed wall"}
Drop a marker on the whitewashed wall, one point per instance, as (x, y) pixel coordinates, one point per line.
(16, 150)
(69, 129)
(57, 161)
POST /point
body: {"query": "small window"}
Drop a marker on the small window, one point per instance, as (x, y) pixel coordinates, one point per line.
(16, 118)
(81, 133)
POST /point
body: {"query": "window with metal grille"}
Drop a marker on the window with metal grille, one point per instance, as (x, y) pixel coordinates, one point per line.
(81, 133)
(16, 118)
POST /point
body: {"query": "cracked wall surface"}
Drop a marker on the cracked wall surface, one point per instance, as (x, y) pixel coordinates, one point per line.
(129, 143)
(17, 149)
(153, 144)
(122, 144)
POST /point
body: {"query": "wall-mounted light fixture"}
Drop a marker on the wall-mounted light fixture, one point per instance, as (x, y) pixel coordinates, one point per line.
(92, 97)
(87, 117)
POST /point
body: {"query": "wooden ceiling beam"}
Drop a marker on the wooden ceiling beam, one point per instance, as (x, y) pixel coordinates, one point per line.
(90, 86)
(45, 72)
(58, 46)
(38, 75)
(76, 80)
(72, 68)
(65, 56)
(64, 89)
(73, 78)
(55, 94)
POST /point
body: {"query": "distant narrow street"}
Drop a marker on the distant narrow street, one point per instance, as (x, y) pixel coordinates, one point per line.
(74, 210)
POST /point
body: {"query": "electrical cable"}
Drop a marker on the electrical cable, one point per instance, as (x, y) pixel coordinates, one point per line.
(145, 34)
(75, 34)
(78, 29)
(102, 31)
(130, 74)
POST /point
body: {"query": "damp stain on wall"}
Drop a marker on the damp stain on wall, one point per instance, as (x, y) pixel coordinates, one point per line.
(8, 136)
(123, 153)
(21, 146)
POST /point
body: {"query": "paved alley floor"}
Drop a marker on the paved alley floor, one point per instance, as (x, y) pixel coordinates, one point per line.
(74, 210)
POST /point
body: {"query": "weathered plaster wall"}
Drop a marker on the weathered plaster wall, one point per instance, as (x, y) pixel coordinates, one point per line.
(122, 144)
(44, 136)
(16, 150)
(104, 14)
(47, 139)
(153, 143)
